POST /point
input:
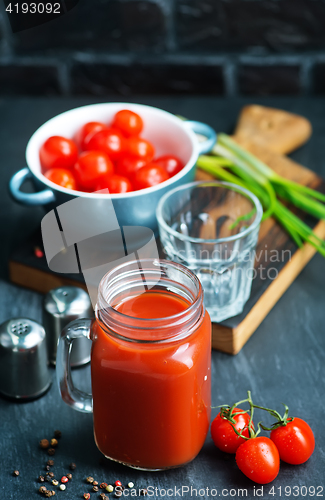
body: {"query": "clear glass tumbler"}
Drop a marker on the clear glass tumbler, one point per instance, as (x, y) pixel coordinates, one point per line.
(212, 228)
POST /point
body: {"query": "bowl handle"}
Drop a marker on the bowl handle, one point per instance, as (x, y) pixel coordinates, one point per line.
(41, 198)
(205, 130)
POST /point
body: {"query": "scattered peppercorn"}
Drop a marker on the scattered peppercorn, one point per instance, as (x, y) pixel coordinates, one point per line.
(69, 476)
(109, 488)
(57, 434)
(118, 494)
(16, 473)
(41, 479)
(86, 496)
(130, 484)
(103, 485)
(95, 483)
(90, 480)
(64, 479)
(72, 466)
(95, 488)
(51, 451)
(42, 489)
(47, 467)
(143, 492)
(55, 482)
(62, 487)
(50, 474)
(44, 443)
(47, 478)
(53, 493)
(103, 496)
(48, 493)
(54, 442)
(118, 483)
(50, 463)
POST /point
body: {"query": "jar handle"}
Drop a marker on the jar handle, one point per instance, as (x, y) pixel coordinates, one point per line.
(75, 398)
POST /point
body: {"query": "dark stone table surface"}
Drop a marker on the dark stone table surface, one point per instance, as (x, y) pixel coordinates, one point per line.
(282, 362)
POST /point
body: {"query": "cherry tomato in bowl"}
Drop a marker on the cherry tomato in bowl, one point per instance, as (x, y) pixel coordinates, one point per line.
(86, 132)
(148, 176)
(128, 122)
(170, 163)
(61, 176)
(140, 148)
(92, 165)
(128, 165)
(115, 184)
(224, 436)
(295, 441)
(58, 152)
(109, 141)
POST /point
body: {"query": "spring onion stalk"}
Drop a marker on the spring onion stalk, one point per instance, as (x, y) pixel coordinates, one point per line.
(232, 163)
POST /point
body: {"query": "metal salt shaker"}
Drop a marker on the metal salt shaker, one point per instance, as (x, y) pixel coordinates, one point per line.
(24, 366)
(62, 305)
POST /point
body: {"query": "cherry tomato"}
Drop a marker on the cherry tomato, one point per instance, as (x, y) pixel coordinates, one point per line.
(62, 177)
(110, 141)
(224, 436)
(58, 152)
(170, 163)
(141, 148)
(258, 458)
(295, 441)
(91, 165)
(86, 132)
(115, 184)
(128, 122)
(128, 165)
(149, 176)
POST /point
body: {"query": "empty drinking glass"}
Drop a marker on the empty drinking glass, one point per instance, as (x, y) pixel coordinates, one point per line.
(212, 228)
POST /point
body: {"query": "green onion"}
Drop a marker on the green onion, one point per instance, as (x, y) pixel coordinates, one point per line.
(231, 163)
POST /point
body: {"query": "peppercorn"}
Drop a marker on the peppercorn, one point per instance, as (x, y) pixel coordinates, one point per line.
(95, 483)
(47, 479)
(64, 479)
(143, 492)
(95, 488)
(50, 474)
(103, 485)
(54, 442)
(16, 473)
(69, 476)
(42, 489)
(53, 493)
(86, 496)
(72, 466)
(130, 484)
(55, 482)
(57, 434)
(41, 479)
(50, 463)
(44, 444)
(109, 488)
(103, 496)
(51, 451)
(62, 487)
(48, 493)
(90, 480)
(47, 467)
(118, 483)
(118, 494)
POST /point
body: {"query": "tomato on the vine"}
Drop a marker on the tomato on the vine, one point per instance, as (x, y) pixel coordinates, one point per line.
(128, 122)
(148, 176)
(258, 458)
(295, 441)
(170, 163)
(141, 148)
(91, 165)
(223, 434)
(115, 184)
(58, 152)
(86, 132)
(110, 141)
(128, 165)
(62, 177)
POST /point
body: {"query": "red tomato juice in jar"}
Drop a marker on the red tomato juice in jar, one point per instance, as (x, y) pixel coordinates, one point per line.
(150, 365)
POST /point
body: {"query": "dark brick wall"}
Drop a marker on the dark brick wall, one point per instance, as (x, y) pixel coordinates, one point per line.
(247, 47)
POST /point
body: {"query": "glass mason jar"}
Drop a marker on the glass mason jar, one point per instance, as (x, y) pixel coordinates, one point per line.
(150, 365)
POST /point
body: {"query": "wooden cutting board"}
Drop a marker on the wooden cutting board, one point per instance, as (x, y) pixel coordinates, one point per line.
(266, 133)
